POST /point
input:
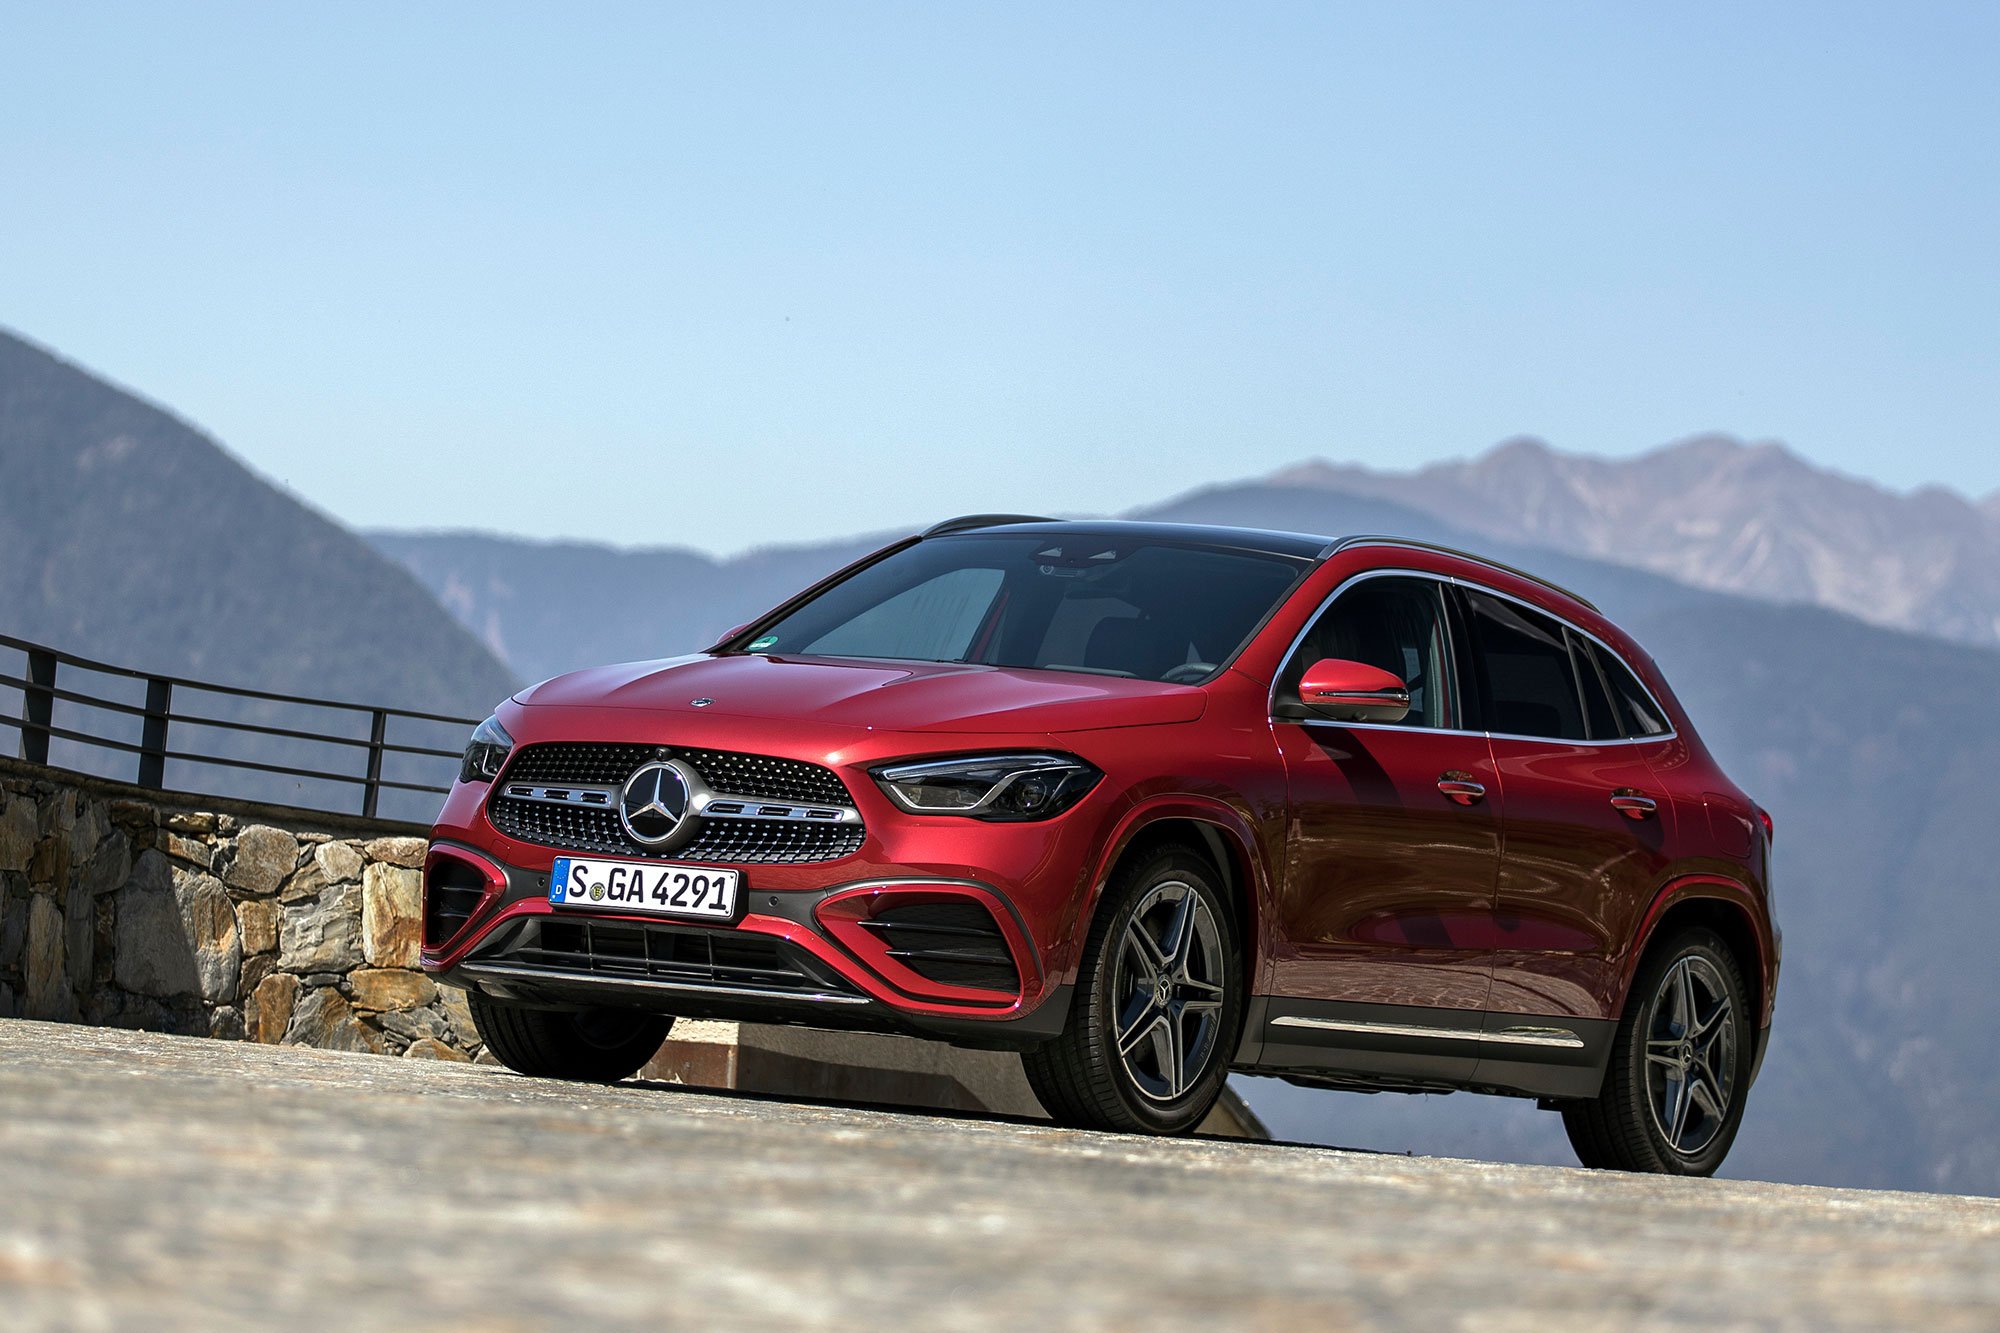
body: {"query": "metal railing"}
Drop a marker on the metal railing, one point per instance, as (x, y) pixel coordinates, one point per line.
(40, 693)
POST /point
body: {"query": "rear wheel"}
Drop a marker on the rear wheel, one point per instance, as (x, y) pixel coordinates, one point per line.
(1680, 1066)
(588, 1045)
(1159, 1003)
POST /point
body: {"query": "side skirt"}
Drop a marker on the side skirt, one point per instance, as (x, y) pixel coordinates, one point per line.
(1409, 1048)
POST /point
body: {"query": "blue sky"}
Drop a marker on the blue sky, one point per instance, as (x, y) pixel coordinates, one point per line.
(725, 275)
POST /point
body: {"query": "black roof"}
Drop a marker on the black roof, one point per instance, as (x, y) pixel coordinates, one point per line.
(1295, 545)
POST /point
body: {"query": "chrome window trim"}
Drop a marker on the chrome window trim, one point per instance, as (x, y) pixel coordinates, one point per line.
(1671, 733)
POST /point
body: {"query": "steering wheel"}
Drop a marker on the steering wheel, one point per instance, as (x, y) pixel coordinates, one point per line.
(1187, 673)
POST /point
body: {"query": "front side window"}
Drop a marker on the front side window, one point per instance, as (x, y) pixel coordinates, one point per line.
(1528, 684)
(1100, 605)
(1396, 624)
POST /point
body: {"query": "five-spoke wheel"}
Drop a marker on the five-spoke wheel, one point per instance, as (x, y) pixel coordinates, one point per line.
(1158, 1006)
(1673, 1093)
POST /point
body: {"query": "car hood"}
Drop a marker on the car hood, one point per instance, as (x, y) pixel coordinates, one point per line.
(884, 696)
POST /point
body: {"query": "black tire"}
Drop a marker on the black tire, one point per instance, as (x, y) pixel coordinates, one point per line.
(1080, 1077)
(1631, 1124)
(588, 1045)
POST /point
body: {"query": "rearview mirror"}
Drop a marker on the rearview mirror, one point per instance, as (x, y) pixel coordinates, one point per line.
(1345, 691)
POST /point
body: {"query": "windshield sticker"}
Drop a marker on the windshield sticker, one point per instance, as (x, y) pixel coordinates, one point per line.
(759, 645)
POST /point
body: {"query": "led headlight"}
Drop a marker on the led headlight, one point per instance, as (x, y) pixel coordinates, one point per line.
(485, 752)
(990, 786)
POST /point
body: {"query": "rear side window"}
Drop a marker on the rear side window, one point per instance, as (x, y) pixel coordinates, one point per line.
(1527, 681)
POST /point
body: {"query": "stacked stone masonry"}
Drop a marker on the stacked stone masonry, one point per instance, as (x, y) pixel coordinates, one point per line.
(125, 912)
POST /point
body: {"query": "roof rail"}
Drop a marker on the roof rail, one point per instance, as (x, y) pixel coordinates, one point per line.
(968, 522)
(1380, 540)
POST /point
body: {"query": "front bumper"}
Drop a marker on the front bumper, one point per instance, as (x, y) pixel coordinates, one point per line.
(798, 956)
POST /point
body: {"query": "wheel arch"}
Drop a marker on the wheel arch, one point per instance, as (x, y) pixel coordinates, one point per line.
(1720, 905)
(1221, 834)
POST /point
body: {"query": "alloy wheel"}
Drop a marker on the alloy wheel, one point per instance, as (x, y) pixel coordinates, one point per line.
(1691, 1055)
(1168, 991)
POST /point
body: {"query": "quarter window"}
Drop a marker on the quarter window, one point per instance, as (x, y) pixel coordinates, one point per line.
(1638, 715)
(1598, 711)
(1396, 624)
(1528, 683)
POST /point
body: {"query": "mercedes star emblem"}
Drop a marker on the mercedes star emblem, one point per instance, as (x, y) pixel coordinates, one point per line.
(654, 804)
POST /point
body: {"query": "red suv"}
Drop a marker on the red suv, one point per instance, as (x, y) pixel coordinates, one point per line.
(1146, 803)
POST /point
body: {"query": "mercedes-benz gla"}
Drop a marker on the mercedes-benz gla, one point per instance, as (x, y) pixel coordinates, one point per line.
(1147, 804)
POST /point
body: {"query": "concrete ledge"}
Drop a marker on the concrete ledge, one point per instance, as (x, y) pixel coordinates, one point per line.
(876, 1068)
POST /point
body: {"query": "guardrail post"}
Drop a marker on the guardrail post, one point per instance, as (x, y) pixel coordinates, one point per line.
(38, 705)
(374, 788)
(153, 741)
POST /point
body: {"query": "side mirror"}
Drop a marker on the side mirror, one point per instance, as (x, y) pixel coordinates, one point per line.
(1353, 692)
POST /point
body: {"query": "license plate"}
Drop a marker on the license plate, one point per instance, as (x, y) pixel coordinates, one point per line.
(644, 886)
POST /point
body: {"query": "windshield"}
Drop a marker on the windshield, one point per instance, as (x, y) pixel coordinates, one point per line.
(1109, 606)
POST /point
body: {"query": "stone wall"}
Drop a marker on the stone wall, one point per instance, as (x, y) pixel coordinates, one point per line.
(126, 908)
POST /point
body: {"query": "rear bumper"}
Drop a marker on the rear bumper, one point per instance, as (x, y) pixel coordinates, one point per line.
(798, 957)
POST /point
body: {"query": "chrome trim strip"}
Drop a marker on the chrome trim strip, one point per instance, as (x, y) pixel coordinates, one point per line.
(1412, 544)
(513, 972)
(576, 793)
(1562, 1037)
(1285, 661)
(1518, 1036)
(703, 803)
(596, 796)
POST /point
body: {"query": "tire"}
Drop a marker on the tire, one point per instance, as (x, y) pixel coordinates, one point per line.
(587, 1046)
(1632, 1124)
(1180, 1006)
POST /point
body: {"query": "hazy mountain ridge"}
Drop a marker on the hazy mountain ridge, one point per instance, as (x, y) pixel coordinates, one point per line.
(129, 536)
(1716, 513)
(549, 607)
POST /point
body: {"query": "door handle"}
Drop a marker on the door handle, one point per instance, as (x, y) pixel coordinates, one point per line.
(1461, 788)
(1633, 803)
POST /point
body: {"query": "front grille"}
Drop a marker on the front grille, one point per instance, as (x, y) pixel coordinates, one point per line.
(762, 776)
(739, 841)
(724, 959)
(955, 944)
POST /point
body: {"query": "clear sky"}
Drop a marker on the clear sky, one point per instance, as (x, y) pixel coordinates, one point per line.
(724, 274)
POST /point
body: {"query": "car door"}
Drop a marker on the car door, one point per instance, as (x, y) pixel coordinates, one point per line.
(1387, 897)
(1587, 827)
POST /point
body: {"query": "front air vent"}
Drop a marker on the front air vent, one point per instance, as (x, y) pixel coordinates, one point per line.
(452, 893)
(953, 944)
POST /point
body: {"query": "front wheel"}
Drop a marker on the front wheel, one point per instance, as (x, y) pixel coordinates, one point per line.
(1680, 1066)
(589, 1045)
(1159, 1003)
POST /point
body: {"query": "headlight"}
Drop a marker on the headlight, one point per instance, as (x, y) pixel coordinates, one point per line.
(485, 752)
(991, 786)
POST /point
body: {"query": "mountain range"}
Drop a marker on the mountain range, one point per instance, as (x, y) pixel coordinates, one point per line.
(127, 535)
(1716, 513)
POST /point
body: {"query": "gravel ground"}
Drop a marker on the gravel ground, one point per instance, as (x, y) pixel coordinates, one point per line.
(166, 1182)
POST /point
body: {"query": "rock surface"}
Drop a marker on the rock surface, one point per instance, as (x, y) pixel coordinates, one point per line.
(434, 1190)
(122, 912)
